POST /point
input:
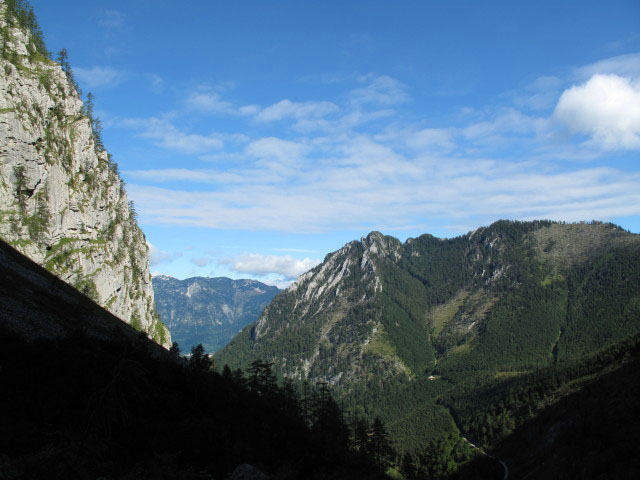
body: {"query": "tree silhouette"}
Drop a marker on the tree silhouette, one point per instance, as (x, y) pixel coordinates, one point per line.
(175, 348)
(360, 434)
(199, 360)
(261, 378)
(408, 467)
(380, 445)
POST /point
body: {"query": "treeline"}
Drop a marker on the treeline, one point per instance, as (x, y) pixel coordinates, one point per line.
(18, 13)
(547, 315)
(603, 305)
(438, 459)
(87, 408)
(590, 430)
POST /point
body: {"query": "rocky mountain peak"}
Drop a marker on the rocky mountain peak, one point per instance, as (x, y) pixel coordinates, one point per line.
(381, 245)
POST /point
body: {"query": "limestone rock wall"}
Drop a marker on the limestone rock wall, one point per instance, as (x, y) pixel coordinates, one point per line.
(62, 201)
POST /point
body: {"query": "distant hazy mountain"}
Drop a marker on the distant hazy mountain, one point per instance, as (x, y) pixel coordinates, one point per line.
(209, 311)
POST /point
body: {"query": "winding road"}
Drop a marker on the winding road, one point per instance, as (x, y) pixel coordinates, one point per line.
(504, 465)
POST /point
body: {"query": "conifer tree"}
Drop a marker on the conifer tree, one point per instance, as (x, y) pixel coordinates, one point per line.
(200, 360)
(380, 445)
(175, 348)
(261, 378)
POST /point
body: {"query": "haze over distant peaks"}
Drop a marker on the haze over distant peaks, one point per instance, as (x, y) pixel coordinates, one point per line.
(210, 311)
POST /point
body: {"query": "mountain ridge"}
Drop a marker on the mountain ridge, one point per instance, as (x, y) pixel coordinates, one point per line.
(209, 311)
(392, 325)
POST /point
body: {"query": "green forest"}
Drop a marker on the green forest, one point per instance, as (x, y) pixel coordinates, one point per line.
(491, 328)
(513, 348)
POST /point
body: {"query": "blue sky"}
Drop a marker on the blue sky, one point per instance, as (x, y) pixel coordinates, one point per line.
(255, 137)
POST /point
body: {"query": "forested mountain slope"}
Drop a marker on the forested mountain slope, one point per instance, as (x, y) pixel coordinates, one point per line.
(209, 311)
(62, 201)
(394, 326)
(580, 419)
(86, 396)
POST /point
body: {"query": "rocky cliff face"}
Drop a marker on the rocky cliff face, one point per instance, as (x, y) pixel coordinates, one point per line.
(210, 311)
(62, 202)
(328, 325)
(510, 296)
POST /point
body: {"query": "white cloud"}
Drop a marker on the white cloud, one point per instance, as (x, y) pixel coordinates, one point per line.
(442, 138)
(201, 261)
(263, 265)
(168, 136)
(382, 90)
(207, 99)
(607, 108)
(344, 174)
(249, 110)
(541, 94)
(297, 110)
(391, 192)
(96, 77)
(159, 256)
(623, 65)
(506, 121)
(209, 102)
(175, 174)
(276, 148)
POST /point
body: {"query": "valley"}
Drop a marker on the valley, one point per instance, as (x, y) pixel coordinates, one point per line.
(396, 328)
(510, 351)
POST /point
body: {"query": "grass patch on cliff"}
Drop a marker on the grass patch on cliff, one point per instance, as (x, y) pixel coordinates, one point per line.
(443, 314)
(380, 345)
(159, 333)
(107, 305)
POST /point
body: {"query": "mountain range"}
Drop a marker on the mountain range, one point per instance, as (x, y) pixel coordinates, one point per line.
(393, 326)
(509, 352)
(209, 311)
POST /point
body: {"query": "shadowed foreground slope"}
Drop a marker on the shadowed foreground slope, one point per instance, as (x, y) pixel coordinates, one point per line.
(86, 396)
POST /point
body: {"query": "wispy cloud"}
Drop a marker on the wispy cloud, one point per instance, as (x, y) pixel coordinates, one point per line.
(112, 19)
(338, 196)
(622, 65)
(297, 110)
(439, 138)
(209, 102)
(156, 82)
(160, 256)
(263, 265)
(359, 165)
(283, 152)
(541, 94)
(166, 135)
(380, 90)
(201, 261)
(208, 99)
(97, 76)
